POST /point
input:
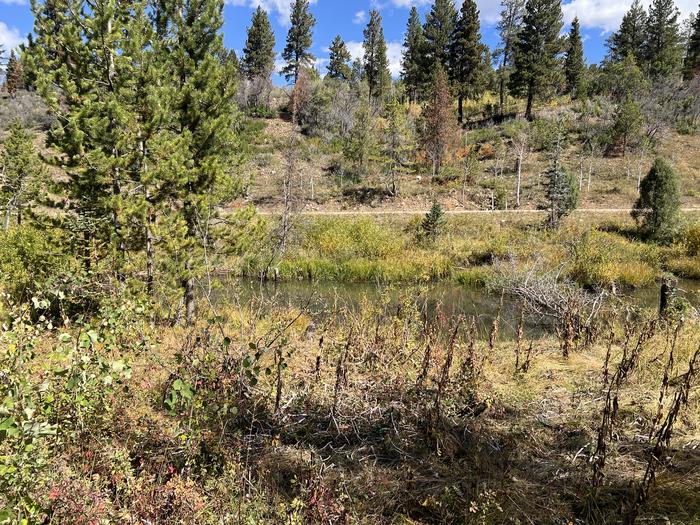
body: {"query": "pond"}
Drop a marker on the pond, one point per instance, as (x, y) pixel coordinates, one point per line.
(321, 299)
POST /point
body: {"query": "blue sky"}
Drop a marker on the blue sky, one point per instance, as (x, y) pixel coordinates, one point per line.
(348, 18)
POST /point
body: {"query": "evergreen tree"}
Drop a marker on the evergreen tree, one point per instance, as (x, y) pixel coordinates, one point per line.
(657, 211)
(562, 187)
(622, 79)
(361, 145)
(574, 63)
(439, 132)
(469, 57)
(627, 124)
(629, 39)
(691, 64)
(536, 51)
(439, 26)
(339, 59)
(509, 28)
(413, 63)
(204, 88)
(21, 173)
(434, 222)
(80, 52)
(663, 47)
(13, 75)
(299, 39)
(376, 65)
(396, 144)
(259, 51)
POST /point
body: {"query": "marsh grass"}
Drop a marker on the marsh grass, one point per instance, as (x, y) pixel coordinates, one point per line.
(594, 251)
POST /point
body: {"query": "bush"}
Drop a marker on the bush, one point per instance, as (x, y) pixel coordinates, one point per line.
(657, 210)
(28, 259)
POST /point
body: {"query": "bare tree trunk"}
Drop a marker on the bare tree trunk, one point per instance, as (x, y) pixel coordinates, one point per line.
(188, 286)
(460, 109)
(8, 213)
(530, 102)
(519, 175)
(150, 253)
(502, 96)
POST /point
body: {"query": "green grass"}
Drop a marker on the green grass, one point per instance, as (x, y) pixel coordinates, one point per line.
(593, 251)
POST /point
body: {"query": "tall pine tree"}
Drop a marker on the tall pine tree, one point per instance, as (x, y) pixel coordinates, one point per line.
(259, 51)
(691, 64)
(574, 62)
(630, 37)
(299, 39)
(376, 65)
(469, 57)
(80, 52)
(537, 51)
(509, 28)
(663, 48)
(339, 60)
(413, 63)
(439, 26)
(204, 115)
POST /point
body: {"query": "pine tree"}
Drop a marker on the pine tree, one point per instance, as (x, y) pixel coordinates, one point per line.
(439, 26)
(434, 222)
(691, 64)
(562, 187)
(13, 75)
(338, 60)
(21, 173)
(413, 63)
(79, 51)
(627, 124)
(439, 132)
(259, 51)
(657, 211)
(299, 39)
(376, 65)
(509, 28)
(396, 144)
(469, 57)
(629, 39)
(574, 63)
(204, 115)
(361, 145)
(536, 51)
(663, 47)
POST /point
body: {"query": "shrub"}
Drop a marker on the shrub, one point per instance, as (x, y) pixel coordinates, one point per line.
(657, 210)
(28, 259)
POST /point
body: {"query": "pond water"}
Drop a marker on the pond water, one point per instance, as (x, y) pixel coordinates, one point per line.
(320, 299)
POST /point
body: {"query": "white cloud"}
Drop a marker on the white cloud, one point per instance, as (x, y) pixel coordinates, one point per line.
(9, 37)
(490, 9)
(607, 15)
(281, 7)
(360, 18)
(593, 14)
(394, 51)
(14, 2)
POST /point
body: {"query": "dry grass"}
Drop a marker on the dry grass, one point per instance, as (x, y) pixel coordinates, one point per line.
(358, 440)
